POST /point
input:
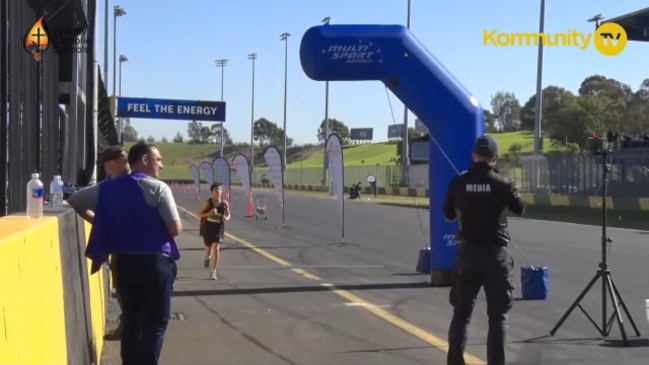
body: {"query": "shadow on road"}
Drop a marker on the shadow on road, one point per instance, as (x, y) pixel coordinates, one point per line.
(593, 341)
(298, 289)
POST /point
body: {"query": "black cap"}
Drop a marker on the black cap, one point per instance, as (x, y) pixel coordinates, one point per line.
(486, 146)
(111, 153)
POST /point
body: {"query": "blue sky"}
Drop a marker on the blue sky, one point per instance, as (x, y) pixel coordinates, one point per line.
(172, 45)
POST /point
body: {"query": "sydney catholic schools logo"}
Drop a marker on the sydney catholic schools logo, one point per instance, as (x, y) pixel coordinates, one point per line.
(63, 40)
(37, 40)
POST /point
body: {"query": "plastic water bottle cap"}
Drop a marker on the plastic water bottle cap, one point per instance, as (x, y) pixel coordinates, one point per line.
(57, 177)
(35, 175)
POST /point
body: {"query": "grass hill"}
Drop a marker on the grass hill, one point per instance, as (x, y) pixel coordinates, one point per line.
(177, 156)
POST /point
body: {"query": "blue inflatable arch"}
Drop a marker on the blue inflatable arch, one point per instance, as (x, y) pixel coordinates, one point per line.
(391, 54)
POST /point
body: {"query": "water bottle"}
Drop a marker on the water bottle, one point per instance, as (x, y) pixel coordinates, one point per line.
(56, 192)
(35, 193)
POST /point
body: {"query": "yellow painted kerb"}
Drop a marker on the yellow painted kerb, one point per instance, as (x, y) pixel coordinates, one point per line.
(97, 292)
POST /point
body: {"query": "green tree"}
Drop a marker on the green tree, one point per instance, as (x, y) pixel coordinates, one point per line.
(215, 131)
(490, 122)
(551, 101)
(636, 119)
(335, 126)
(278, 139)
(506, 110)
(577, 119)
(194, 132)
(199, 133)
(613, 95)
(264, 131)
(129, 134)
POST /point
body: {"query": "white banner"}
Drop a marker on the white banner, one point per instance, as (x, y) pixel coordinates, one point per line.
(240, 163)
(335, 156)
(274, 163)
(223, 172)
(208, 172)
(196, 175)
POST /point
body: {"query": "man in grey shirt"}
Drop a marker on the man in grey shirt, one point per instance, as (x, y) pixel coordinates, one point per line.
(156, 193)
(136, 219)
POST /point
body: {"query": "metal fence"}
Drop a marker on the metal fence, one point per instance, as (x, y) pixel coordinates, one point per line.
(385, 175)
(552, 173)
(351, 175)
(582, 174)
(37, 133)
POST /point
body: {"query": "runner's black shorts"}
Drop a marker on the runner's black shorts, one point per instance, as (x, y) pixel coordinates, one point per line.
(213, 233)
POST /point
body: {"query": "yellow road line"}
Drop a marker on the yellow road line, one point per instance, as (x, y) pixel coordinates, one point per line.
(401, 323)
(258, 250)
(386, 316)
(305, 274)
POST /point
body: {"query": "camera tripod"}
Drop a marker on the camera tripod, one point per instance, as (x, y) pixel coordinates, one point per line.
(604, 273)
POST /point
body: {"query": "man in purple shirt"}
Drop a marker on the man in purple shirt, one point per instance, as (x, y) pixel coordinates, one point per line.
(136, 220)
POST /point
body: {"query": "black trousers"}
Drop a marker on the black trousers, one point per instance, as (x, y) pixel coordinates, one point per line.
(111, 266)
(145, 283)
(487, 266)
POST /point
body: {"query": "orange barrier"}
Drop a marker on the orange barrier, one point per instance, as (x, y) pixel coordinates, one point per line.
(249, 214)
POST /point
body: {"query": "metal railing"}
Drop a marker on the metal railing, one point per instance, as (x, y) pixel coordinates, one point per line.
(552, 173)
(385, 175)
(582, 174)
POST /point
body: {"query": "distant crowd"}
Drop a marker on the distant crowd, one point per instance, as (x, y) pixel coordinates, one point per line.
(617, 141)
(626, 141)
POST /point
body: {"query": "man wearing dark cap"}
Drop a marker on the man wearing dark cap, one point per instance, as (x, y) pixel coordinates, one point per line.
(479, 198)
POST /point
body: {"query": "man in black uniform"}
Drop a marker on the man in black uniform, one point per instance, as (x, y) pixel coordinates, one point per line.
(479, 198)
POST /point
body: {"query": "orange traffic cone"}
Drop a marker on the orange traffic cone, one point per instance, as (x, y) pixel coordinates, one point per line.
(197, 194)
(249, 214)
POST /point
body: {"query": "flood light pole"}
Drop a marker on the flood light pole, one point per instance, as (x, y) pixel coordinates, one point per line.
(326, 21)
(122, 59)
(284, 37)
(404, 144)
(538, 115)
(221, 63)
(106, 10)
(117, 12)
(253, 57)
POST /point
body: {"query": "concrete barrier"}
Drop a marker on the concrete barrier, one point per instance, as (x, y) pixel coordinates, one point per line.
(51, 310)
(623, 203)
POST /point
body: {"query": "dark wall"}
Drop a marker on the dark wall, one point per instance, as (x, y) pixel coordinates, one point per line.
(50, 142)
(80, 346)
(28, 86)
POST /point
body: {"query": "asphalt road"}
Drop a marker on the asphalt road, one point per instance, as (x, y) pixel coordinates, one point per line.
(296, 295)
